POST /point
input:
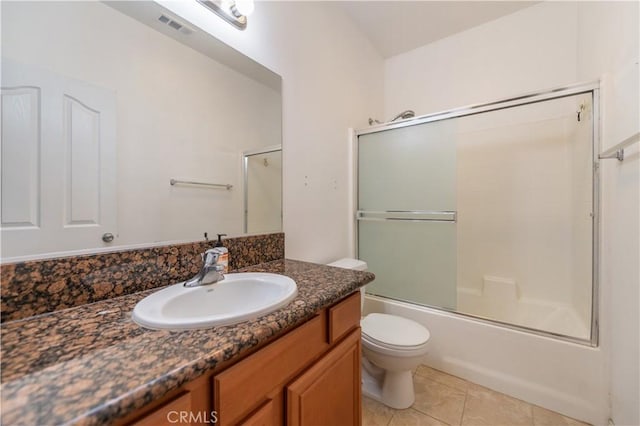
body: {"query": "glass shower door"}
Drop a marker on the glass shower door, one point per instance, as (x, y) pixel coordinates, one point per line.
(407, 212)
(488, 213)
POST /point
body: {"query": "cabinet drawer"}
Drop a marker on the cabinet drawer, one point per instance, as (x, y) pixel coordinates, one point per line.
(174, 412)
(243, 387)
(344, 317)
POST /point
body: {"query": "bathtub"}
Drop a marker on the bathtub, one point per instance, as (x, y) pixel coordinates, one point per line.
(558, 375)
(554, 317)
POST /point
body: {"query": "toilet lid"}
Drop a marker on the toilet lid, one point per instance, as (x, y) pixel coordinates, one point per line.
(394, 330)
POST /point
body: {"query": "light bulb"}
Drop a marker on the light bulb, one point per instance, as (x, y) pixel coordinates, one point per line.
(244, 7)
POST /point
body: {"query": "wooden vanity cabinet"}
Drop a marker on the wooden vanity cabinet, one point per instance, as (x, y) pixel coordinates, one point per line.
(329, 392)
(309, 376)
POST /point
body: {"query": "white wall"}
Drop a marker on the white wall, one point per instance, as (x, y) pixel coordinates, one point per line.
(532, 49)
(180, 114)
(609, 46)
(332, 80)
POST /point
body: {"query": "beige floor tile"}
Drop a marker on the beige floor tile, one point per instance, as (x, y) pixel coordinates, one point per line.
(375, 413)
(411, 417)
(544, 417)
(485, 407)
(443, 399)
(443, 378)
(439, 401)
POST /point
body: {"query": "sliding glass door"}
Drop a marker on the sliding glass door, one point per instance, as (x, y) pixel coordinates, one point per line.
(407, 212)
(489, 213)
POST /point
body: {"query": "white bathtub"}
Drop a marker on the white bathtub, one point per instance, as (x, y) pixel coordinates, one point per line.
(554, 317)
(565, 377)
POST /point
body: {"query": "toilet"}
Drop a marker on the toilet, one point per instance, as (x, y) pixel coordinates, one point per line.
(392, 347)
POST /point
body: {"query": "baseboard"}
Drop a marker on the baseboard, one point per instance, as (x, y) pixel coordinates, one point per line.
(551, 399)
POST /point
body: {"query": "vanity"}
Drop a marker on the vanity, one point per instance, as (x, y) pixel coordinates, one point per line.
(92, 364)
(310, 375)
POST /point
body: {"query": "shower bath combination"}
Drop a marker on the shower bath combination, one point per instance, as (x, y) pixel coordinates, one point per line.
(493, 214)
(472, 232)
(404, 115)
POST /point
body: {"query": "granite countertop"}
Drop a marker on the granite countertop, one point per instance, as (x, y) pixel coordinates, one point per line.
(92, 364)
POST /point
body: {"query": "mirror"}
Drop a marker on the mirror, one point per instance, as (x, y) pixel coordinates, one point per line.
(263, 189)
(104, 106)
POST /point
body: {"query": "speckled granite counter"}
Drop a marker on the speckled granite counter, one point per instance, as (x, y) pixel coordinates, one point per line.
(92, 364)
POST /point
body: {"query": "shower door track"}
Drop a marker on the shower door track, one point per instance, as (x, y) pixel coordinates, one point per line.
(593, 88)
(526, 99)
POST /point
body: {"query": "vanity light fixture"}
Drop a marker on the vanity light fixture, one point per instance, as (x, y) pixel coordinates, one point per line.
(234, 12)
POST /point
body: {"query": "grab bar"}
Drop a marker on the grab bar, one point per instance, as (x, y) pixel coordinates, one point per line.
(189, 182)
(408, 215)
(617, 151)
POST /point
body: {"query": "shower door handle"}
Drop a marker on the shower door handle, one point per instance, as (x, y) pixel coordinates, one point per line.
(408, 215)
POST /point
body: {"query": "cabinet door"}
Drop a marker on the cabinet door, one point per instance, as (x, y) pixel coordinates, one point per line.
(269, 414)
(245, 386)
(329, 392)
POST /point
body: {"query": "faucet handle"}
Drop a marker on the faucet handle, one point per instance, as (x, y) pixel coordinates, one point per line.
(210, 257)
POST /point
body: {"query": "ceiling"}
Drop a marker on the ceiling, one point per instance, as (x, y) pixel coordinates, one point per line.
(395, 27)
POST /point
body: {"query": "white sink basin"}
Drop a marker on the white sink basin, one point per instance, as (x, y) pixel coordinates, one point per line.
(237, 298)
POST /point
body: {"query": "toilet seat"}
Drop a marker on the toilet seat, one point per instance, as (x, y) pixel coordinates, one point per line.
(397, 351)
(393, 335)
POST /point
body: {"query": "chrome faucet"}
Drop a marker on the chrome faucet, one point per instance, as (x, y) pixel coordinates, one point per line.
(211, 271)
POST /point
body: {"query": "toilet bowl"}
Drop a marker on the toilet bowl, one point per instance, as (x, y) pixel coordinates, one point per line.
(392, 347)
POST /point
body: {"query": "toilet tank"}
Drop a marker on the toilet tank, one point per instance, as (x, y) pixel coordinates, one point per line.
(355, 264)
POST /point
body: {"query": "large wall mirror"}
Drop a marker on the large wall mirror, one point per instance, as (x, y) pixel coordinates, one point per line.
(123, 126)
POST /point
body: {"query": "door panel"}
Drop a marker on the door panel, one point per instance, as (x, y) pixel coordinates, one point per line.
(82, 139)
(329, 393)
(58, 162)
(21, 157)
(407, 212)
(407, 169)
(413, 261)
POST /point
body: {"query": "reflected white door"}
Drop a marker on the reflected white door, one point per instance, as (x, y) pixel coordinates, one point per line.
(58, 162)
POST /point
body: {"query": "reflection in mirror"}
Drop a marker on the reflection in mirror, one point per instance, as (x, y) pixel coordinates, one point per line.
(263, 190)
(122, 98)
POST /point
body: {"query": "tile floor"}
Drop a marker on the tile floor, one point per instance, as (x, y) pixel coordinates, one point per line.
(442, 399)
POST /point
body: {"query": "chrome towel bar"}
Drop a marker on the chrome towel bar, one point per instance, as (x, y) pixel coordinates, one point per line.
(211, 185)
(617, 151)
